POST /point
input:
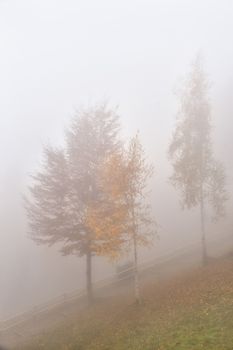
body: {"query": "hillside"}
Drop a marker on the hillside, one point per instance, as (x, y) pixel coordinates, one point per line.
(192, 311)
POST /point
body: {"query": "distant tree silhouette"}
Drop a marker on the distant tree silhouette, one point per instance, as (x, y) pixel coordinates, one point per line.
(198, 176)
(67, 188)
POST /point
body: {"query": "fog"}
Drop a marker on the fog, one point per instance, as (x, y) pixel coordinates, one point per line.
(59, 55)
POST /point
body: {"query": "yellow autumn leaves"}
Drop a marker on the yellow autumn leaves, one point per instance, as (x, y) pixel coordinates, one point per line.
(121, 213)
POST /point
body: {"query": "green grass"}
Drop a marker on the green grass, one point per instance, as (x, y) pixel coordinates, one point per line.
(190, 313)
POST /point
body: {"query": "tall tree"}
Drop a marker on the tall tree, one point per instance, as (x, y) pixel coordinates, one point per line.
(198, 176)
(129, 218)
(141, 227)
(92, 137)
(66, 190)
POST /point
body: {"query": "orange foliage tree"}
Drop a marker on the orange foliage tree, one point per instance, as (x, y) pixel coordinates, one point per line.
(124, 215)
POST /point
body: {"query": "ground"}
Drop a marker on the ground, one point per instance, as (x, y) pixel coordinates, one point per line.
(191, 311)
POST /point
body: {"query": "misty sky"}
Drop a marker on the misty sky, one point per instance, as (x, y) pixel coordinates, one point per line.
(56, 55)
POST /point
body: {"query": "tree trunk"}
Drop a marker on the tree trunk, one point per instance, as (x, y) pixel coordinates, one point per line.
(136, 276)
(203, 231)
(89, 278)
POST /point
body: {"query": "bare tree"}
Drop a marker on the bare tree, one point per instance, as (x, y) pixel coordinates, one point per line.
(200, 179)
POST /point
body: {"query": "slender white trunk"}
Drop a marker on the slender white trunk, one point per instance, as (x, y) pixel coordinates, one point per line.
(136, 275)
(135, 248)
(203, 230)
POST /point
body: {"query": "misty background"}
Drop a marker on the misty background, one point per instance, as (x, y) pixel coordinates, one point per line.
(57, 55)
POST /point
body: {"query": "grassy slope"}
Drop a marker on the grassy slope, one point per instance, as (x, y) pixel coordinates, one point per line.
(192, 312)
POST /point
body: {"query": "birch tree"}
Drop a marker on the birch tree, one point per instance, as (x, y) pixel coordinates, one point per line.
(196, 174)
(142, 227)
(130, 221)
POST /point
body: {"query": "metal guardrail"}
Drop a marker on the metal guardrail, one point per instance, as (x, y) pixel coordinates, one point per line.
(20, 318)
